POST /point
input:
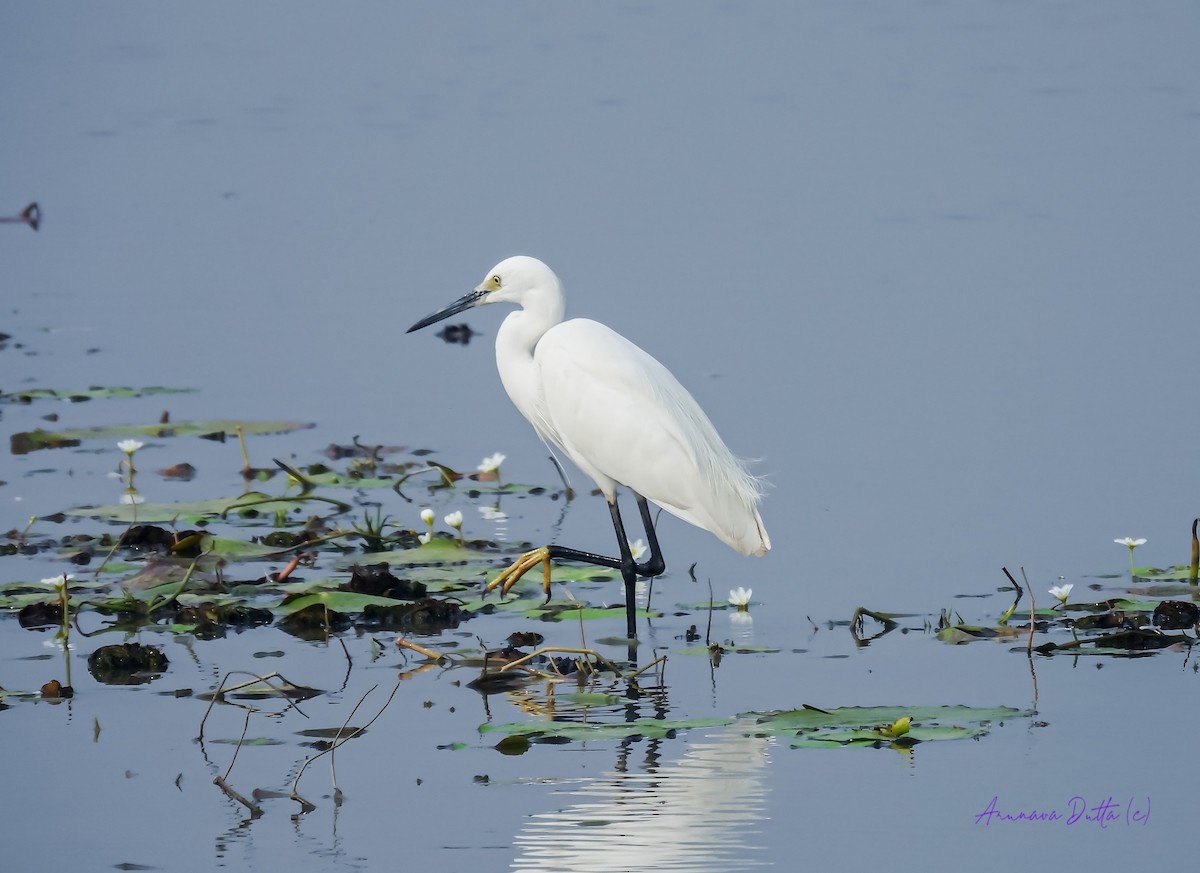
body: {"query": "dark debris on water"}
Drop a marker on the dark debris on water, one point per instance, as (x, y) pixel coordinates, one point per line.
(127, 664)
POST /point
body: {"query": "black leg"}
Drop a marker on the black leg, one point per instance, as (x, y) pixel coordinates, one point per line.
(656, 565)
(630, 569)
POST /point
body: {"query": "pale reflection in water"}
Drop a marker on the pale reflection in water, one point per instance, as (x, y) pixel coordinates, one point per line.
(700, 813)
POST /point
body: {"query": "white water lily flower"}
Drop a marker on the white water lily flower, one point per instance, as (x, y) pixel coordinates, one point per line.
(59, 581)
(637, 548)
(427, 515)
(454, 519)
(424, 538)
(491, 464)
(132, 499)
(740, 597)
(1062, 592)
(1133, 544)
(129, 446)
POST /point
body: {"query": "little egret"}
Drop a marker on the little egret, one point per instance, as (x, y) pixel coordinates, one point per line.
(620, 416)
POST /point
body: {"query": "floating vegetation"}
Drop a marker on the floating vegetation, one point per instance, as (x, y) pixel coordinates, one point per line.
(220, 429)
(809, 727)
(94, 393)
(314, 551)
(642, 728)
(879, 726)
(127, 664)
(1119, 626)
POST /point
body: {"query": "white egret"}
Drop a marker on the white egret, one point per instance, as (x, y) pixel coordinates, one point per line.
(620, 416)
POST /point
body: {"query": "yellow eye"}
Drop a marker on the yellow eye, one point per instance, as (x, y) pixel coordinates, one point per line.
(496, 281)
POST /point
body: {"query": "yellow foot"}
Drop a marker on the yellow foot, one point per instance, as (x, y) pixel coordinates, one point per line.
(522, 565)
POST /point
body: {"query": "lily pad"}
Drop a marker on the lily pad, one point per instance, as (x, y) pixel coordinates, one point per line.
(86, 394)
(871, 725)
(876, 737)
(195, 512)
(1155, 574)
(335, 601)
(651, 728)
(574, 611)
(965, 633)
(32, 441)
(438, 552)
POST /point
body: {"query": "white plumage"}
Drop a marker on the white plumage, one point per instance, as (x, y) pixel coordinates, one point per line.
(613, 409)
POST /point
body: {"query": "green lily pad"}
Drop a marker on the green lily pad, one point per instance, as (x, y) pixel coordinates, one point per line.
(1154, 574)
(966, 633)
(591, 698)
(335, 601)
(230, 548)
(334, 479)
(32, 441)
(840, 739)
(87, 394)
(1126, 604)
(574, 611)
(195, 512)
(831, 724)
(438, 552)
(645, 727)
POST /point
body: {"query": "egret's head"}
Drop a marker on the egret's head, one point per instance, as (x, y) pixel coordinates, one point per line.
(513, 280)
(522, 280)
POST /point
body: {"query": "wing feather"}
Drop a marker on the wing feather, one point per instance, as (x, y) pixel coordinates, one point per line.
(623, 418)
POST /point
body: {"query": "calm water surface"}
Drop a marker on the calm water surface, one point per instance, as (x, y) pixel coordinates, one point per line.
(934, 266)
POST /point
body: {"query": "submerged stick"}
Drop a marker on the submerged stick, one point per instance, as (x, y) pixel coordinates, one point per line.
(255, 810)
(339, 740)
(661, 659)
(222, 781)
(563, 650)
(402, 643)
(221, 691)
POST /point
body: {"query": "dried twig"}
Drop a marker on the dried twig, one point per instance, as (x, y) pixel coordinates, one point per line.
(306, 806)
(609, 665)
(418, 648)
(222, 781)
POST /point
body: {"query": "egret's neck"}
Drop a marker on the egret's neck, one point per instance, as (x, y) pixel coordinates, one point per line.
(515, 343)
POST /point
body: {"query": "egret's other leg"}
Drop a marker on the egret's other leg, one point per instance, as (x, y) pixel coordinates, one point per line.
(655, 565)
(630, 569)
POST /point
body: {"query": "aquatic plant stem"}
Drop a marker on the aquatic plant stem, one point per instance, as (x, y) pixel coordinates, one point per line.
(342, 732)
(247, 470)
(21, 539)
(65, 632)
(1195, 567)
(305, 806)
(1008, 613)
(1032, 614)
